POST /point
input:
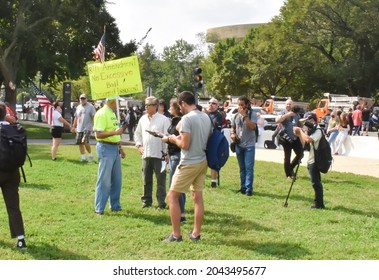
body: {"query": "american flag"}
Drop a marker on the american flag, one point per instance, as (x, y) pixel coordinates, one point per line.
(100, 49)
(45, 103)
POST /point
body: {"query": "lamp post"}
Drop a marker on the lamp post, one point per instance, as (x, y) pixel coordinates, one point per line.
(39, 106)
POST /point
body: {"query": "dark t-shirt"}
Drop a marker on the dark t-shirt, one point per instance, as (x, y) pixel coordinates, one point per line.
(172, 148)
(365, 115)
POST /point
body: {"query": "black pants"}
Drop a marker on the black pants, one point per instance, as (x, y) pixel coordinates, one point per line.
(315, 175)
(9, 183)
(149, 167)
(298, 149)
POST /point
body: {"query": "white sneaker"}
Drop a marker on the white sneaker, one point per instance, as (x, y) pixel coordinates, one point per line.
(83, 160)
(90, 159)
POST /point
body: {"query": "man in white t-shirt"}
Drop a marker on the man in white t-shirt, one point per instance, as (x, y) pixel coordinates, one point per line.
(83, 123)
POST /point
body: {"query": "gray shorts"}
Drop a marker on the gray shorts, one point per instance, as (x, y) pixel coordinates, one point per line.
(365, 125)
(83, 137)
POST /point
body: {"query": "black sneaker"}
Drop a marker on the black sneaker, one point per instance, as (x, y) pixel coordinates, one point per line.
(316, 207)
(21, 244)
(183, 220)
(193, 238)
(172, 238)
(249, 193)
(146, 205)
(243, 191)
(214, 185)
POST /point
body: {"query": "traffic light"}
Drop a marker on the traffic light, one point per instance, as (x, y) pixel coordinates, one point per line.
(198, 79)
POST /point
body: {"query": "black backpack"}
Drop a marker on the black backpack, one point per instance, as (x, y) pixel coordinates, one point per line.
(13, 148)
(323, 154)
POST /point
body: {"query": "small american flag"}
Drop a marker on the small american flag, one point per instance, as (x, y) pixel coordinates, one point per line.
(100, 49)
(45, 103)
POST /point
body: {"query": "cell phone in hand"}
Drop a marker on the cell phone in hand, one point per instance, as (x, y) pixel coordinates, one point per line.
(155, 134)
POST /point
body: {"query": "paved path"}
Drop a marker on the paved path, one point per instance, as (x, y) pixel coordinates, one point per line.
(356, 165)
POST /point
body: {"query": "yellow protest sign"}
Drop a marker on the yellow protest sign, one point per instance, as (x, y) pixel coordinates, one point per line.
(115, 77)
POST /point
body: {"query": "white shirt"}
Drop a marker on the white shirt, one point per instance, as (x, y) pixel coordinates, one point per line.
(153, 146)
(56, 116)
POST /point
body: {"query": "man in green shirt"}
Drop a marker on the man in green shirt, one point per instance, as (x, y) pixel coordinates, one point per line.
(109, 152)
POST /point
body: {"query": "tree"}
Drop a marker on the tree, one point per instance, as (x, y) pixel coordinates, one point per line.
(170, 73)
(49, 36)
(345, 33)
(231, 76)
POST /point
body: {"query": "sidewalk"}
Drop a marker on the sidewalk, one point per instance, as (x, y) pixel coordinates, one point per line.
(356, 165)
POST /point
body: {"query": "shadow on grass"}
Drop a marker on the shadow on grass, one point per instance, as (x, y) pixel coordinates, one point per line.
(356, 212)
(283, 197)
(156, 216)
(345, 183)
(35, 186)
(277, 250)
(232, 224)
(46, 252)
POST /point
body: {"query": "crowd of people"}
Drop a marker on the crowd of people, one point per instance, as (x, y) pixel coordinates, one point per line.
(176, 135)
(340, 125)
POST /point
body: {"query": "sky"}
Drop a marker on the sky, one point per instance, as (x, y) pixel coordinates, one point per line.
(172, 20)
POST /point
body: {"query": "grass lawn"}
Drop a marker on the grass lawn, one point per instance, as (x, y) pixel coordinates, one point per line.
(57, 206)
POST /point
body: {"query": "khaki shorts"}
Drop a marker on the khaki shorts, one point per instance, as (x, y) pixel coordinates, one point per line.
(190, 176)
(83, 137)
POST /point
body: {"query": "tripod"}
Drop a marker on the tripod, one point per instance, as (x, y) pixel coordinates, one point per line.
(293, 181)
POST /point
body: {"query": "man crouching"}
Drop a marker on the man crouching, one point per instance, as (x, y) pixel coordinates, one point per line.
(312, 137)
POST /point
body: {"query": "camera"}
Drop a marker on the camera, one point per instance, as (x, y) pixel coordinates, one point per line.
(311, 127)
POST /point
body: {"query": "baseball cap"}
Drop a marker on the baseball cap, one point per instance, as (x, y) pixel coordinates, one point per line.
(310, 115)
(110, 98)
(83, 96)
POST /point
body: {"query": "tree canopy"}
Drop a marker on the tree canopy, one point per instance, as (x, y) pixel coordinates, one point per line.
(311, 47)
(54, 37)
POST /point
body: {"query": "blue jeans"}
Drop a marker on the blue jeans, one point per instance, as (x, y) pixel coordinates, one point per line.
(109, 179)
(246, 160)
(315, 175)
(332, 140)
(174, 162)
(332, 136)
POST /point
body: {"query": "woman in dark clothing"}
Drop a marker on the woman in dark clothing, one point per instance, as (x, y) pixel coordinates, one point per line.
(174, 152)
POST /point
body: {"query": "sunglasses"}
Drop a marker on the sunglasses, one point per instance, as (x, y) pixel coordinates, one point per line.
(213, 103)
(82, 98)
